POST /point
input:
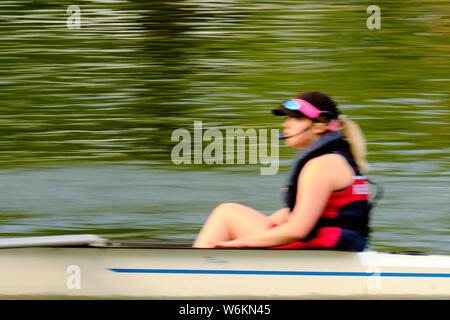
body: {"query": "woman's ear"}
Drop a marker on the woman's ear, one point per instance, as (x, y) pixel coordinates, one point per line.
(320, 127)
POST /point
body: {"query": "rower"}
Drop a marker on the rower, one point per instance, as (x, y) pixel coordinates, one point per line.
(327, 200)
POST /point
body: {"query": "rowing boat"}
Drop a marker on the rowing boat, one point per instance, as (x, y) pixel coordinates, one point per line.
(87, 266)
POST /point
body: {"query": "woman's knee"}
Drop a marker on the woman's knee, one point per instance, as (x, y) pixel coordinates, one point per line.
(227, 208)
(231, 211)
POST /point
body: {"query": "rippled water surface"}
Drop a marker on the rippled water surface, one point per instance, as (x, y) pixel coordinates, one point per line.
(87, 114)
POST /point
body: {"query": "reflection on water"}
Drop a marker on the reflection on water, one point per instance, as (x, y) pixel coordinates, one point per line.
(113, 91)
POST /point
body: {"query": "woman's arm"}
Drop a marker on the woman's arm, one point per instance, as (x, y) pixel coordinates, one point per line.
(315, 184)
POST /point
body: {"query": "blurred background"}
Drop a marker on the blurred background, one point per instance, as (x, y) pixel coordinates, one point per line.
(86, 114)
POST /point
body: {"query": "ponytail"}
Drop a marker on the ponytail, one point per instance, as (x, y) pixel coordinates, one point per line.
(355, 138)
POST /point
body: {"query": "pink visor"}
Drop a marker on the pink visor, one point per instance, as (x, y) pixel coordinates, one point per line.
(308, 110)
(304, 107)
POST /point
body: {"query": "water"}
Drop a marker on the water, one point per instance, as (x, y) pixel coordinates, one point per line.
(87, 114)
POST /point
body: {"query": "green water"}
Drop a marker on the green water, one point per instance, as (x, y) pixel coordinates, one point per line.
(87, 114)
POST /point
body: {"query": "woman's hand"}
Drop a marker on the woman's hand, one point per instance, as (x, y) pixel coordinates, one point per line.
(280, 216)
(228, 244)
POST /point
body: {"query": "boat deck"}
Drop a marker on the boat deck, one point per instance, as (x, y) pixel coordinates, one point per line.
(87, 266)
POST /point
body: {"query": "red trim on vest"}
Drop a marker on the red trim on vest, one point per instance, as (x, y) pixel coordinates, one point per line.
(358, 190)
(327, 237)
(330, 213)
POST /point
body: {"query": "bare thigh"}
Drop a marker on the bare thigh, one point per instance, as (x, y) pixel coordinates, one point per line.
(243, 221)
(230, 221)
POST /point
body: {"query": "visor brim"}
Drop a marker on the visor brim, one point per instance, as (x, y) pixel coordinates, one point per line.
(282, 111)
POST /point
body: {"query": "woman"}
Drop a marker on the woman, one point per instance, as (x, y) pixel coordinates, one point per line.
(327, 200)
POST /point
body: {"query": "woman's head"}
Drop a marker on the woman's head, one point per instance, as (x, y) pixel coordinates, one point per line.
(316, 106)
(309, 116)
(313, 114)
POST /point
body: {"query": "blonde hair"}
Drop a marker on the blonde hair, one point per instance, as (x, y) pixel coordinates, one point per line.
(355, 138)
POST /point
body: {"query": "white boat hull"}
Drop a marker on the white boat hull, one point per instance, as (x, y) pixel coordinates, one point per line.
(186, 273)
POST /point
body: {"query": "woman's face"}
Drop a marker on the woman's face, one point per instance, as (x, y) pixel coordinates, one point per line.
(300, 132)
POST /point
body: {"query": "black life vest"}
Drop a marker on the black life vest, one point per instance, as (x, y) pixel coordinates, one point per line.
(352, 218)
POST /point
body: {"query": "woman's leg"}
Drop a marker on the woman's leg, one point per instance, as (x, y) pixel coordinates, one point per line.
(230, 221)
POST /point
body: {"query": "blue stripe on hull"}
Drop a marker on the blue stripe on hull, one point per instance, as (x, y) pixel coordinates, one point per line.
(284, 273)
